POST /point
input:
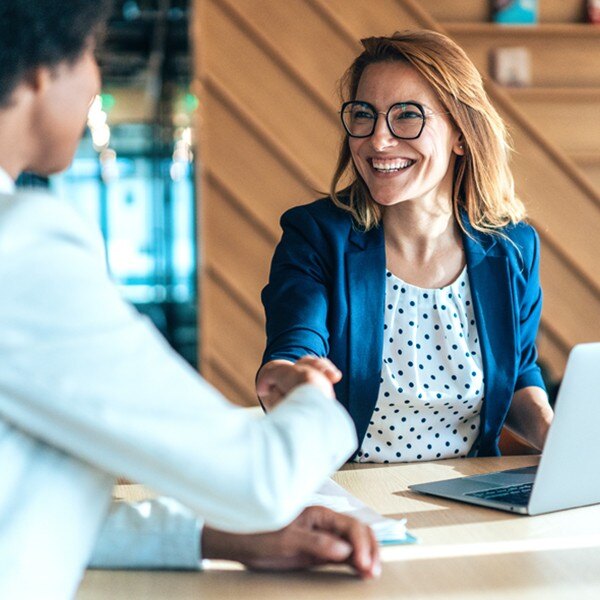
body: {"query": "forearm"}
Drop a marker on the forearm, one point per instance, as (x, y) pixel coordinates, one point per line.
(316, 537)
(530, 416)
(220, 545)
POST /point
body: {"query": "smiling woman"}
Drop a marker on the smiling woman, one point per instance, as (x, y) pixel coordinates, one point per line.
(439, 72)
(400, 162)
(419, 280)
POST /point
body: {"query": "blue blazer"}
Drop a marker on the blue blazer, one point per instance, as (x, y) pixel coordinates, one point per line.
(326, 297)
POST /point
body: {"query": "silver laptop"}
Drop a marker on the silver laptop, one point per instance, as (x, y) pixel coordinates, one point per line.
(567, 475)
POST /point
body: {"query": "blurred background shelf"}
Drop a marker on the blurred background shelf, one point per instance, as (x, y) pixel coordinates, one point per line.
(542, 30)
(478, 11)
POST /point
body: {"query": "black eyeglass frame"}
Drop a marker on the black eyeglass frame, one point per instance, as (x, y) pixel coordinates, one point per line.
(387, 118)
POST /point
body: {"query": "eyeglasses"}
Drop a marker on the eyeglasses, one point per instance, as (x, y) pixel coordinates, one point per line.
(405, 120)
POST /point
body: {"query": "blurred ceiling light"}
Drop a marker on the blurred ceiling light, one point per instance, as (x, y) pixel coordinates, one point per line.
(186, 135)
(109, 168)
(101, 136)
(178, 170)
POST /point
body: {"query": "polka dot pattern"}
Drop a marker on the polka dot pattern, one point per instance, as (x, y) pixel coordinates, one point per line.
(431, 389)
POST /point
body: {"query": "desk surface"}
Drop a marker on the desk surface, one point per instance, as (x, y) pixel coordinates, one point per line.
(465, 551)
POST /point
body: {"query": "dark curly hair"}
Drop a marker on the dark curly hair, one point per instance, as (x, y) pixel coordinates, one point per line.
(36, 33)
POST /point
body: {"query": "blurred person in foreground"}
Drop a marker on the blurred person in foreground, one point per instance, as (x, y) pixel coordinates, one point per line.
(88, 389)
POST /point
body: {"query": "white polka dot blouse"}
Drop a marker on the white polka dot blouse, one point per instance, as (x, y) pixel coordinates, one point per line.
(432, 388)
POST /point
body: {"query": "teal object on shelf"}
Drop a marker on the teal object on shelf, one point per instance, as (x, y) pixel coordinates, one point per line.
(516, 12)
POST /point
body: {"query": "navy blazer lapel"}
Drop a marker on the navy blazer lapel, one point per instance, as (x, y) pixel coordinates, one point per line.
(490, 282)
(365, 281)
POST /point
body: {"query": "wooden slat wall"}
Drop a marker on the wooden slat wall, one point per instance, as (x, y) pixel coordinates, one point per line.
(567, 58)
(266, 77)
(570, 120)
(591, 169)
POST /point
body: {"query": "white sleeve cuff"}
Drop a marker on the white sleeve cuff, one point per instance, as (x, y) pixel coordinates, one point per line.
(332, 424)
(153, 534)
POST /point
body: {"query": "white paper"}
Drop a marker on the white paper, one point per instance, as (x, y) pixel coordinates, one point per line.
(387, 531)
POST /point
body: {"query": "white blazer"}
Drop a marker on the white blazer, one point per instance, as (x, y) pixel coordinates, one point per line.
(89, 390)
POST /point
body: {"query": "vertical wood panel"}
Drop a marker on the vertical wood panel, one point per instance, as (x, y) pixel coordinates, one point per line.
(591, 170)
(233, 337)
(556, 205)
(572, 123)
(272, 95)
(226, 381)
(291, 28)
(564, 297)
(237, 248)
(553, 353)
(245, 166)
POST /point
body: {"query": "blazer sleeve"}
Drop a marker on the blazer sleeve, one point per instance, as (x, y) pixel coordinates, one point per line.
(296, 298)
(530, 311)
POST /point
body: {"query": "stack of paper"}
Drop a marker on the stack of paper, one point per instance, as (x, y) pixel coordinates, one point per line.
(387, 531)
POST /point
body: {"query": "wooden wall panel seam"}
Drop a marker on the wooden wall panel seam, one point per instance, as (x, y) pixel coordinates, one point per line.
(420, 15)
(237, 298)
(224, 373)
(284, 156)
(238, 205)
(548, 240)
(586, 158)
(331, 18)
(559, 158)
(548, 329)
(262, 42)
(556, 94)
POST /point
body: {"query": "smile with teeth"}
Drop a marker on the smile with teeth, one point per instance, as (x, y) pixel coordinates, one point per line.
(391, 166)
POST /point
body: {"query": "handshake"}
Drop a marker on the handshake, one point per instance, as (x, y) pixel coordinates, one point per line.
(279, 377)
(318, 535)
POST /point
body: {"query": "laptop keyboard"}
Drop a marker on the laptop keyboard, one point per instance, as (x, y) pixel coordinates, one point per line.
(511, 494)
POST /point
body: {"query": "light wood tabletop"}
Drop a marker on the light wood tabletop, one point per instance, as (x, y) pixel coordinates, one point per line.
(465, 551)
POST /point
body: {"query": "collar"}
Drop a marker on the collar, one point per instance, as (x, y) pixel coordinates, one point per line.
(482, 242)
(7, 185)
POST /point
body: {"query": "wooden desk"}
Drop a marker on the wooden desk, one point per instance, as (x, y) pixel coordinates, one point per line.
(465, 552)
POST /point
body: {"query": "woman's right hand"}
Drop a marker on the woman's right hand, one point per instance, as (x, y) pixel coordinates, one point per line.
(279, 377)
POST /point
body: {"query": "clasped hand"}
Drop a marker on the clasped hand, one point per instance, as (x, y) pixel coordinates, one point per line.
(279, 377)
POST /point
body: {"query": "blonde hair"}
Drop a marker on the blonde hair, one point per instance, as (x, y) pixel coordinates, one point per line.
(483, 183)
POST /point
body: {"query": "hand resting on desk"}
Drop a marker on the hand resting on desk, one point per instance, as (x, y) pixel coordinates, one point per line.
(318, 536)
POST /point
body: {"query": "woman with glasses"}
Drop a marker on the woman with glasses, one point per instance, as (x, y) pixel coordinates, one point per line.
(419, 280)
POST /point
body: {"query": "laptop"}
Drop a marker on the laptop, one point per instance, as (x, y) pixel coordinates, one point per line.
(567, 475)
